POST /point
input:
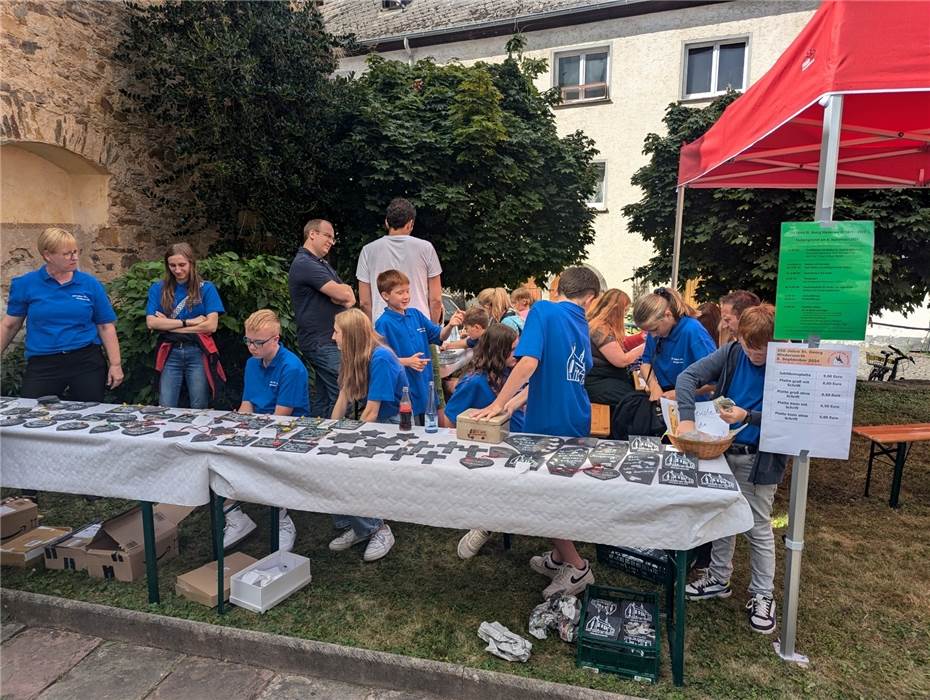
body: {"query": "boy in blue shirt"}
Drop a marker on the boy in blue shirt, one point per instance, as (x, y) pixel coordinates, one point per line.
(275, 383)
(409, 334)
(738, 372)
(554, 354)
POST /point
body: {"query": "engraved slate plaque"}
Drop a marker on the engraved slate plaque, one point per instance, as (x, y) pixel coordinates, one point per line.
(678, 477)
(639, 468)
(645, 443)
(713, 480)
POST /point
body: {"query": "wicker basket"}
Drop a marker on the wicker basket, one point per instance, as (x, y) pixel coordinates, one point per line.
(700, 448)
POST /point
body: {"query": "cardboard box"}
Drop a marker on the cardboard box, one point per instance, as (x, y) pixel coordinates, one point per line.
(494, 430)
(199, 585)
(17, 516)
(118, 549)
(261, 598)
(70, 552)
(27, 549)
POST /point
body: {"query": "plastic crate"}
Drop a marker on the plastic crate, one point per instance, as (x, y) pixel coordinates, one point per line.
(617, 638)
(648, 564)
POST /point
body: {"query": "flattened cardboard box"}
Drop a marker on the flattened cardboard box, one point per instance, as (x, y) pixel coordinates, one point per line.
(118, 549)
(70, 552)
(27, 549)
(17, 516)
(199, 585)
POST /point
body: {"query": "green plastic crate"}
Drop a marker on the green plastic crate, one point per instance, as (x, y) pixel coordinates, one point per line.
(604, 645)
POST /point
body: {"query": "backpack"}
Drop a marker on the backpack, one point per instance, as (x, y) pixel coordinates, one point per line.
(637, 415)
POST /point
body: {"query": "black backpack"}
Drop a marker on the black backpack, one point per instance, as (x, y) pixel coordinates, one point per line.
(637, 415)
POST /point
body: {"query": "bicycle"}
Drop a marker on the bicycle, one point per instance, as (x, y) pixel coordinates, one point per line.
(880, 366)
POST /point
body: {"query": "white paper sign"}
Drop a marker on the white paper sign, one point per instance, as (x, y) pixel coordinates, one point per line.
(706, 419)
(808, 401)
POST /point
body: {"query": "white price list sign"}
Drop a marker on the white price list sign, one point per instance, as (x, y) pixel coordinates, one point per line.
(808, 401)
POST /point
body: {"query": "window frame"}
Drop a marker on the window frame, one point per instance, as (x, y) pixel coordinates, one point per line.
(715, 65)
(602, 205)
(581, 52)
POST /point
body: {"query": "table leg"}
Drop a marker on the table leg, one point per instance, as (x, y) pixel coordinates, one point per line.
(677, 646)
(899, 458)
(151, 560)
(219, 522)
(868, 472)
(275, 528)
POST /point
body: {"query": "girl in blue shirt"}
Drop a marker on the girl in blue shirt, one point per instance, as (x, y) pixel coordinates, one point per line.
(676, 340)
(368, 370)
(181, 307)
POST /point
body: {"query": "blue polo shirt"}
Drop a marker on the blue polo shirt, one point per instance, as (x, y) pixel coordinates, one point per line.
(686, 343)
(746, 389)
(386, 382)
(407, 334)
(474, 391)
(210, 301)
(59, 317)
(556, 334)
(282, 383)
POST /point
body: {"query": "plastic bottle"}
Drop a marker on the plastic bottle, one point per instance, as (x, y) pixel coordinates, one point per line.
(406, 411)
(432, 419)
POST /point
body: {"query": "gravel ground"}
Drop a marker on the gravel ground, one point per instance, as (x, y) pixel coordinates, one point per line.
(919, 370)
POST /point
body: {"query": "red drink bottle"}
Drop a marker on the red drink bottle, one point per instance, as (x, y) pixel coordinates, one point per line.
(406, 411)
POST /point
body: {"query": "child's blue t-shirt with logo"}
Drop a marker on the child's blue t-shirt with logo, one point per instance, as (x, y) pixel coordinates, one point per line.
(686, 343)
(409, 333)
(282, 383)
(210, 301)
(474, 391)
(746, 389)
(556, 334)
(386, 382)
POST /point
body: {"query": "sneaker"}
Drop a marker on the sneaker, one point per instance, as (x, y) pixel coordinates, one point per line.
(569, 581)
(761, 609)
(287, 533)
(379, 544)
(472, 542)
(707, 587)
(238, 527)
(544, 564)
(346, 540)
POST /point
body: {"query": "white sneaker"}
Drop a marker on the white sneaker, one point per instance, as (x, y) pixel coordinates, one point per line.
(545, 565)
(708, 586)
(569, 581)
(472, 542)
(287, 533)
(761, 609)
(238, 527)
(380, 543)
(346, 540)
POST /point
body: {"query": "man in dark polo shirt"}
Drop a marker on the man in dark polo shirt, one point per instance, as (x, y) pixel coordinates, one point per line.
(317, 295)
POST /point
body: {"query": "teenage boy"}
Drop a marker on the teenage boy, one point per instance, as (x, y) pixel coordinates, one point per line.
(738, 372)
(275, 383)
(409, 334)
(554, 354)
(475, 321)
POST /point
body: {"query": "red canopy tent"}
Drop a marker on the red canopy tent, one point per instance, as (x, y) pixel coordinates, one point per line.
(846, 105)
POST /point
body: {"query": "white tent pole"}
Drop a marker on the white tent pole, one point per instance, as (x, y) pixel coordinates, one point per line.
(797, 510)
(676, 245)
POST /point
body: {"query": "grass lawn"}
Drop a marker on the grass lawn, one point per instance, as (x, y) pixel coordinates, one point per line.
(864, 611)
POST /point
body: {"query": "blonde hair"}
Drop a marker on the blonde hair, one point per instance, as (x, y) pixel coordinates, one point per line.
(522, 294)
(359, 341)
(609, 312)
(651, 307)
(53, 238)
(495, 300)
(263, 318)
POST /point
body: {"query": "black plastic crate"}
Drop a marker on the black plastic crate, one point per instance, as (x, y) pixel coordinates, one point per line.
(648, 564)
(619, 633)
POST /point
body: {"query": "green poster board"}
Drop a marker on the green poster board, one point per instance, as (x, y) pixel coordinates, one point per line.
(824, 280)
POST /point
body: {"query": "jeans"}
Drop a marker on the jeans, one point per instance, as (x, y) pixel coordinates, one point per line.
(324, 359)
(760, 536)
(363, 527)
(184, 366)
(78, 375)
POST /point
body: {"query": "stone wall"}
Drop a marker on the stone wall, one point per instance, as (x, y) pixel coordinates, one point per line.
(70, 157)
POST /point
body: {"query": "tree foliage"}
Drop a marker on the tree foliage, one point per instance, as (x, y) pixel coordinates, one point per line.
(265, 139)
(730, 237)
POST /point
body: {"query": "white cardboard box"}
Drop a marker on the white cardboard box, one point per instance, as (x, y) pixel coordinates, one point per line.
(261, 598)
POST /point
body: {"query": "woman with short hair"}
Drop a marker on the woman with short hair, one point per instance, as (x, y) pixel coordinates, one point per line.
(68, 317)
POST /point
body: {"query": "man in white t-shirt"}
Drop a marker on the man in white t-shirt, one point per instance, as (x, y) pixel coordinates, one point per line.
(398, 250)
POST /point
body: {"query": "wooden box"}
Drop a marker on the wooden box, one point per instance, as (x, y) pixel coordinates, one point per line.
(493, 430)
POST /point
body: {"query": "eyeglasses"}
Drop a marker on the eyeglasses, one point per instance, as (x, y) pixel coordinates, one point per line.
(257, 343)
(70, 254)
(330, 236)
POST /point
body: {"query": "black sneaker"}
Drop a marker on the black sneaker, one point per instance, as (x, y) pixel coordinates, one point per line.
(706, 587)
(761, 611)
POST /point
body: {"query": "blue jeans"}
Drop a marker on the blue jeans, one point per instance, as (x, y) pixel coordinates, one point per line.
(184, 366)
(325, 361)
(363, 527)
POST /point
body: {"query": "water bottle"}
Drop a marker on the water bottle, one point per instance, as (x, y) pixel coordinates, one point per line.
(406, 411)
(432, 419)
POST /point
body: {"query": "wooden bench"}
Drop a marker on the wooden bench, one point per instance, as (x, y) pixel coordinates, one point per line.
(894, 442)
(600, 420)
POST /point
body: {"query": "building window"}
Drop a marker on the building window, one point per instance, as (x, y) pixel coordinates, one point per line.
(715, 67)
(583, 76)
(599, 198)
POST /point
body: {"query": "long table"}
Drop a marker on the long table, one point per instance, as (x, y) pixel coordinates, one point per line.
(377, 471)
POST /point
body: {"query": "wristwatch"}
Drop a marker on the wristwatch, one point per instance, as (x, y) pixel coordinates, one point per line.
(183, 323)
